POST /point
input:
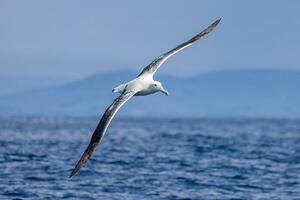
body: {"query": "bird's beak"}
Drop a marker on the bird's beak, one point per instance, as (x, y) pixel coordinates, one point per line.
(164, 91)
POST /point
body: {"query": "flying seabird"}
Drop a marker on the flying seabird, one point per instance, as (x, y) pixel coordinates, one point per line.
(142, 85)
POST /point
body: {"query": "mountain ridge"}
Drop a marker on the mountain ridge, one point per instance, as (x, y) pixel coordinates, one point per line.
(228, 93)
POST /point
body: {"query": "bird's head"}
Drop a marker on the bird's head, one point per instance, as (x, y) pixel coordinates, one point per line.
(157, 86)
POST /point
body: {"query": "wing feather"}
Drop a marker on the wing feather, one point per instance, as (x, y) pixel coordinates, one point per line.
(154, 65)
(101, 129)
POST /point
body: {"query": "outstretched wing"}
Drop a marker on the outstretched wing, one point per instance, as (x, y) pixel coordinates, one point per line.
(152, 67)
(101, 129)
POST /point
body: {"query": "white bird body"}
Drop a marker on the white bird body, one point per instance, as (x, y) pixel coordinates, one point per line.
(142, 85)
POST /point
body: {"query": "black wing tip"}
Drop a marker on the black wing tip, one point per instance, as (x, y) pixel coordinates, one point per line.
(85, 156)
(76, 169)
(205, 31)
(73, 173)
(216, 22)
(80, 163)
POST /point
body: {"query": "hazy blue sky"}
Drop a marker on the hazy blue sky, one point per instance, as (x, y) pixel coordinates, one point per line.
(73, 39)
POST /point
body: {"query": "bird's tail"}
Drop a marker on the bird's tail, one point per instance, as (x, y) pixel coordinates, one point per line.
(119, 88)
(85, 156)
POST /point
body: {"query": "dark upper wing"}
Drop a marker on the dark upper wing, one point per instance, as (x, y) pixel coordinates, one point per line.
(152, 67)
(101, 129)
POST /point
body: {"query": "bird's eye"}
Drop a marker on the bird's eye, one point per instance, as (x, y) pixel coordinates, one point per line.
(155, 85)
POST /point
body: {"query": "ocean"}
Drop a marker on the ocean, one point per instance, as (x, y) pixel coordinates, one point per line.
(150, 159)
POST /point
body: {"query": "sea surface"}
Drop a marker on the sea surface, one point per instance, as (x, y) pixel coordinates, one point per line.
(150, 159)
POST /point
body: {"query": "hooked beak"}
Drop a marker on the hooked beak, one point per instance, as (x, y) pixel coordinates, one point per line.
(164, 91)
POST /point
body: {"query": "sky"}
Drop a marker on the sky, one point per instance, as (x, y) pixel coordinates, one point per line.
(72, 39)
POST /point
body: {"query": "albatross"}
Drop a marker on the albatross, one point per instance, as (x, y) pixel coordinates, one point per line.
(142, 85)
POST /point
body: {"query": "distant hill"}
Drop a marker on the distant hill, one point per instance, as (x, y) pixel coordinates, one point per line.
(15, 84)
(231, 93)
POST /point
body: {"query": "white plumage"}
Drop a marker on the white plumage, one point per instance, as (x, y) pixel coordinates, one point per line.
(142, 85)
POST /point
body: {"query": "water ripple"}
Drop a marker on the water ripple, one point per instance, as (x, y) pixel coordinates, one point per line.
(151, 159)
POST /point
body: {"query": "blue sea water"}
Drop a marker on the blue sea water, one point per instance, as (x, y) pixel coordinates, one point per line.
(151, 159)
